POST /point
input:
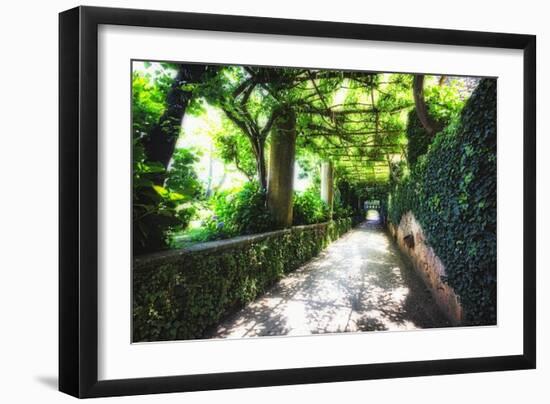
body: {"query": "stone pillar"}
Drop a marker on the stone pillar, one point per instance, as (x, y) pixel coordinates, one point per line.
(281, 169)
(327, 184)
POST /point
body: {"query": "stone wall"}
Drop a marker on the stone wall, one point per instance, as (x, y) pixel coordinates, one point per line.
(411, 241)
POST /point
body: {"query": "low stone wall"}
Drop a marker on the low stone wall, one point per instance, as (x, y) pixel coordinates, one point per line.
(178, 294)
(411, 241)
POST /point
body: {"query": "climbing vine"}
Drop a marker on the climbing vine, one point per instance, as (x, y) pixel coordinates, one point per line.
(452, 192)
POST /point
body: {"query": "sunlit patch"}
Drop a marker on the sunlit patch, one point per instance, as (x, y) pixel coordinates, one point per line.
(399, 294)
(373, 215)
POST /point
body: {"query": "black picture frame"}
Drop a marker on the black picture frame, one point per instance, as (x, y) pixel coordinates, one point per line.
(78, 201)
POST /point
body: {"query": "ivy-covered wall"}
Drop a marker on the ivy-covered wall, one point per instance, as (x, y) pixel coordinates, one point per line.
(179, 294)
(418, 140)
(452, 192)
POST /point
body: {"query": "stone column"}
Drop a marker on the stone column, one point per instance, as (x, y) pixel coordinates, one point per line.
(281, 169)
(327, 184)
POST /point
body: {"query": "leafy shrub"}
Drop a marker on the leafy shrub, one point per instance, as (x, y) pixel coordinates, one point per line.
(178, 296)
(242, 212)
(156, 210)
(349, 196)
(309, 208)
(452, 193)
(233, 146)
(181, 176)
(341, 212)
(148, 102)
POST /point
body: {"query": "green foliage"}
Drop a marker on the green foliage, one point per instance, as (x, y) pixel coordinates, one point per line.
(368, 120)
(181, 177)
(376, 191)
(444, 104)
(179, 297)
(242, 212)
(444, 101)
(308, 208)
(341, 211)
(309, 165)
(452, 193)
(157, 210)
(233, 146)
(193, 236)
(348, 196)
(418, 140)
(148, 101)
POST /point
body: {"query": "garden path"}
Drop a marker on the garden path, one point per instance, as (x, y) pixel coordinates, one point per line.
(360, 282)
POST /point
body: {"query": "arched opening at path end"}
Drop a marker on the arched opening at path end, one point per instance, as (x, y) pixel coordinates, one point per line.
(373, 211)
(373, 216)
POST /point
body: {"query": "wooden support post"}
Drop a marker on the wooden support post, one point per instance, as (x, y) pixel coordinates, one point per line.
(327, 184)
(281, 169)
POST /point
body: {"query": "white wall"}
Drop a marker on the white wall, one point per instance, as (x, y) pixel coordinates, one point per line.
(28, 207)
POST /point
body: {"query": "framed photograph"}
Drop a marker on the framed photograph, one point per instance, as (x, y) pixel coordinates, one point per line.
(251, 201)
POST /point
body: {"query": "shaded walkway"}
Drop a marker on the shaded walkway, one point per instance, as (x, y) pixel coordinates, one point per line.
(359, 283)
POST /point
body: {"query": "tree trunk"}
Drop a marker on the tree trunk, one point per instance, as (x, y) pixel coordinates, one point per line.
(160, 143)
(281, 169)
(427, 122)
(208, 192)
(327, 184)
(262, 167)
(258, 147)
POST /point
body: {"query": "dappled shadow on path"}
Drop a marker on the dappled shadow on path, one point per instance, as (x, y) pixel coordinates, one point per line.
(359, 283)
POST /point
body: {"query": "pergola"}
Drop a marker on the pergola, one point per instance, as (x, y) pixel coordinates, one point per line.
(362, 140)
(354, 121)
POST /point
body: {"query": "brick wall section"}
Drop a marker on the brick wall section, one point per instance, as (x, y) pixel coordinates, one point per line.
(411, 241)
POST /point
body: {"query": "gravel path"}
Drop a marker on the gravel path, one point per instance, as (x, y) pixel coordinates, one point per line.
(359, 283)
